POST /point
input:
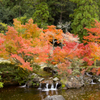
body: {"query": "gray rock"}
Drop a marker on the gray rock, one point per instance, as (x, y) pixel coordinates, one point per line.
(73, 85)
(74, 82)
(35, 80)
(87, 80)
(56, 79)
(55, 97)
(50, 78)
(41, 79)
(29, 83)
(33, 75)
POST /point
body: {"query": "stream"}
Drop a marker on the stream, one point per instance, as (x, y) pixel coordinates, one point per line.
(90, 92)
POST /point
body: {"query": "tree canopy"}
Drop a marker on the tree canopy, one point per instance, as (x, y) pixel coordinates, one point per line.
(84, 16)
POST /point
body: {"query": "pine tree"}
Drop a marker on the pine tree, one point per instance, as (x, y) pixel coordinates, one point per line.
(84, 16)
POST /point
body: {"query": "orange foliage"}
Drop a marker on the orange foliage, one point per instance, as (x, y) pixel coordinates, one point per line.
(93, 40)
(24, 65)
(29, 40)
(54, 33)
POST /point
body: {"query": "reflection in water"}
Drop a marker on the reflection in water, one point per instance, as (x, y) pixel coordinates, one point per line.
(52, 92)
(83, 93)
(91, 92)
(47, 92)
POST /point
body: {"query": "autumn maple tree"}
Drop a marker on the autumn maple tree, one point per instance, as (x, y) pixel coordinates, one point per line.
(22, 42)
(28, 44)
(93, 41)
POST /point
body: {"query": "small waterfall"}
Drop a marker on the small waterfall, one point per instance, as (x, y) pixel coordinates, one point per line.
(52, 86)
(88, 74)
(23, 86)
(56, 85)
(47, 86)
(92, 82)
(39, 87)
(46, 89)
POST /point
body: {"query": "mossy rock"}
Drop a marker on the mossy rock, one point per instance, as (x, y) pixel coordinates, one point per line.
(43, 73)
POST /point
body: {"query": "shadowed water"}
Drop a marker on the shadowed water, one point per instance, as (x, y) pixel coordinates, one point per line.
(91, 92)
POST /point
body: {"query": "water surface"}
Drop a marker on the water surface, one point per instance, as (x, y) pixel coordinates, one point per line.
(91, 92)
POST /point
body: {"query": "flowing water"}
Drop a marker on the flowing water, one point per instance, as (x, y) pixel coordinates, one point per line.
(91, 92)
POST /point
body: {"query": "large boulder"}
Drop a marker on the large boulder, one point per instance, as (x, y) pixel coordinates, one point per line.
(87, 80)
(55, 97)
(74, 82)
(33, 80)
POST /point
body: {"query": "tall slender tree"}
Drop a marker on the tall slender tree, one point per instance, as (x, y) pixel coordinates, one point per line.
(84, 16)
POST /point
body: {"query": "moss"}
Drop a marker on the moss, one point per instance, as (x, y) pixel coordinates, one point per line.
(3, 27)
(1, 84)
(63, 86)
(35, 84)
(63, 80)
(43, 73)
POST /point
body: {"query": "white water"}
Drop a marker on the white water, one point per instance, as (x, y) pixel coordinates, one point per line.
(46, 89)
(23, 86)
(88, 74)
(92, 82)
(56, 85)
(52, 87)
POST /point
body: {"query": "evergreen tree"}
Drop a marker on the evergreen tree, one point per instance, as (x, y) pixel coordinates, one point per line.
(41, 14)
(10, 9)
(84, 16)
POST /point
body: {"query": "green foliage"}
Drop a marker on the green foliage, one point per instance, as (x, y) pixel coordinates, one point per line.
(3, 27)
(41, 14)
(35, 84)
(76, 66)
(35, 67)
(1, 84)
(59, 10)
(23, 19)
(10, 9)
(43, 73)
(84, 16)
(5, 15)
(63, 86)
(55, 10)
(13, 74)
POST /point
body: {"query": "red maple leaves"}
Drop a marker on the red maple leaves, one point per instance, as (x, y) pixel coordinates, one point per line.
(21, 41)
